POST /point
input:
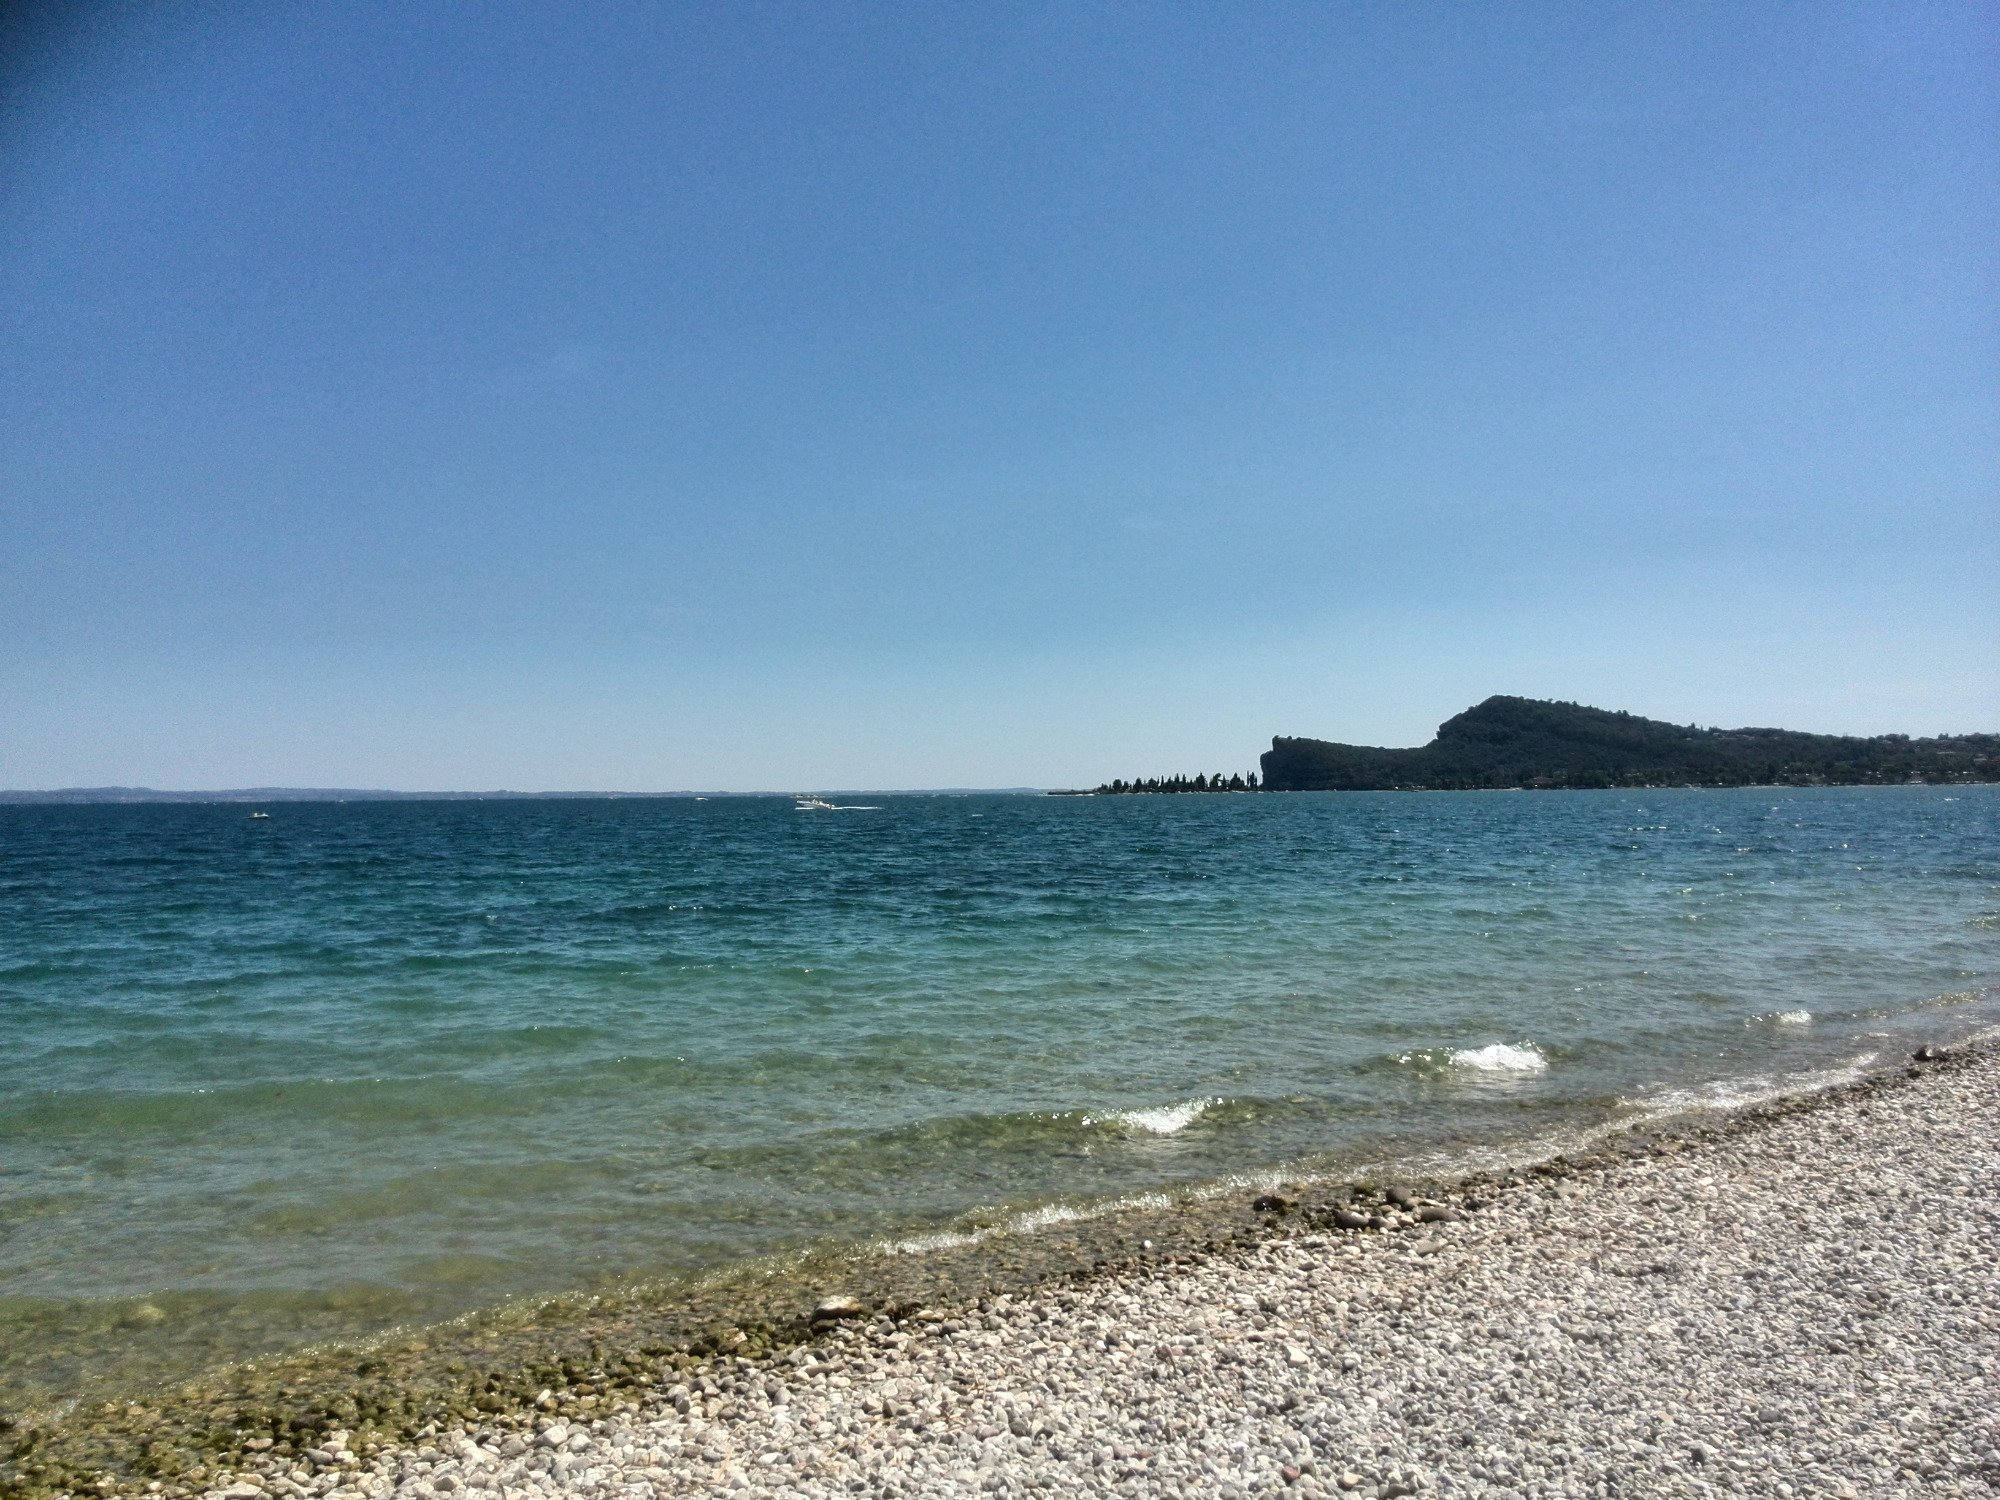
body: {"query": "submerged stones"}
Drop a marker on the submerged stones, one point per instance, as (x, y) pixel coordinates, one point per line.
(1537, 1349)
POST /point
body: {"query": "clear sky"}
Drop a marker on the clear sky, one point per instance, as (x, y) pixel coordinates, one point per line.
(779, 395)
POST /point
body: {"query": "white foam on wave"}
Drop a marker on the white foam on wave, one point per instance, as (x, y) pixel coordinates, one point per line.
(1501, 1058)
(1169, 1119)
(943, 1239)
(1755, 1088)
(1793, 1018)
(1046, 1217)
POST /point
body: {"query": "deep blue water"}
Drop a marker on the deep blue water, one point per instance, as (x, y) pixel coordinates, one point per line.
(355, 1063)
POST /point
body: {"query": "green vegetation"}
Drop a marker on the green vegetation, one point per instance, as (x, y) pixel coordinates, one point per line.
(1526, 742)
(1198, 783)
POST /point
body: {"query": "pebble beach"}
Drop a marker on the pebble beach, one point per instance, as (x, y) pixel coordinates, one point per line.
(1800, 1299)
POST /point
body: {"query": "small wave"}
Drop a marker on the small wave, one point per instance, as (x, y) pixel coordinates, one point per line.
(1793, 1018)
(942, 1239)
(1755, 1088)
(1048, 1216)
(1722, 1093)
(1501, 1058)
(1170, 1119)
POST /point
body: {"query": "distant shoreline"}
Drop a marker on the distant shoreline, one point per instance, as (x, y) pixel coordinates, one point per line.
(134, 796)
(1637, 786)
(1507, 742)
(305, 796)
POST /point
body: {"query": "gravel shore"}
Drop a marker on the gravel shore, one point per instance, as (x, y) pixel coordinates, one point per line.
(1806, 1302)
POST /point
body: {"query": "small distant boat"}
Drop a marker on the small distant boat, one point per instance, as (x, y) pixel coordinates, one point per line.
(820, 804)
(260, 815)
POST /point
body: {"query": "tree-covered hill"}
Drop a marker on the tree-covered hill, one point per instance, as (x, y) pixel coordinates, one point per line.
(1526, 742)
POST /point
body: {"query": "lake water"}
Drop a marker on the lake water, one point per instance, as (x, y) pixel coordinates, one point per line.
(264, 1082)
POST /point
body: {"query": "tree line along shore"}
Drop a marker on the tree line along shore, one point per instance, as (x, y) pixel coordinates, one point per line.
(1534, 744)
(1196, 783)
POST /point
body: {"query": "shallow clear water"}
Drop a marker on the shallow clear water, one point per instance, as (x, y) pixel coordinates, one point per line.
(277, 1080)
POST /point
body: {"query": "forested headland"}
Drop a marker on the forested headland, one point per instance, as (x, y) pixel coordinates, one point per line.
(1535, 743)
(1528, 742)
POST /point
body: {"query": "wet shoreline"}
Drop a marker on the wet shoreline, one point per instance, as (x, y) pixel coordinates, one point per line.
(592, 1356)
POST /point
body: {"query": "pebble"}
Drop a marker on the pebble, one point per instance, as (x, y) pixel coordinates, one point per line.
(1679, 1324)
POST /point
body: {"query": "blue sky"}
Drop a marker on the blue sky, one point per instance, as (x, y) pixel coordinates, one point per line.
(733, 396)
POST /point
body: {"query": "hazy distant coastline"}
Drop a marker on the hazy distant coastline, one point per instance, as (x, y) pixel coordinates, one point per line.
(1502, 743)
(102, 795)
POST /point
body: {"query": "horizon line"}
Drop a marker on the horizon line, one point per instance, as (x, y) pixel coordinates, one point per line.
(132, 794)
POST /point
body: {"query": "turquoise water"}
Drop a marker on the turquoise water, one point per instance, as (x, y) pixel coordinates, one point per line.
(265, 1081)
